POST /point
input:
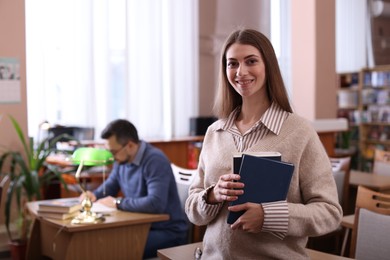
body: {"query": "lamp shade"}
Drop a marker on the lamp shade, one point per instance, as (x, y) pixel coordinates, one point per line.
(92, 156)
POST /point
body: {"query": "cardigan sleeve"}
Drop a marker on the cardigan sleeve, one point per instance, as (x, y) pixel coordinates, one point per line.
(204, 212)
(314, 210)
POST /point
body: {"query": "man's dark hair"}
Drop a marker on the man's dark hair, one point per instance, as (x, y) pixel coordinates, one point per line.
(123, 130)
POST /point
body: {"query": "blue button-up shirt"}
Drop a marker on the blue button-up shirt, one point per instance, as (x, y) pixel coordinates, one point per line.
(148, 186)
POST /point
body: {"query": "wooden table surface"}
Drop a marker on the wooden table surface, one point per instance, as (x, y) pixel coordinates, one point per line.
(372, 181)
(119, 218)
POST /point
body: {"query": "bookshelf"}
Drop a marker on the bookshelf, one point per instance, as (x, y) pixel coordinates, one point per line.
(183, 151)
(348, 93)
(374, 107)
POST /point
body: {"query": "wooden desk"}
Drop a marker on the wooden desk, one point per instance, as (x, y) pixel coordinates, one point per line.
(121, 236)
(177, 149)
(187, 252)
(372, 181)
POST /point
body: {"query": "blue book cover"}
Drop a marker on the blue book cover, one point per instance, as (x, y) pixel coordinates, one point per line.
(237, 158)
(265, 180)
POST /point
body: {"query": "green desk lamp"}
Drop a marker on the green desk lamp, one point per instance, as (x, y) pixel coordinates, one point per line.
(88, 156)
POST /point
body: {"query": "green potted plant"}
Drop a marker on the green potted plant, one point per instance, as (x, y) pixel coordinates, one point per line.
(28, 174)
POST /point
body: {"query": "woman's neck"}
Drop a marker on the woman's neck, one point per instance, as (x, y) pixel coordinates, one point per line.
(251, 112)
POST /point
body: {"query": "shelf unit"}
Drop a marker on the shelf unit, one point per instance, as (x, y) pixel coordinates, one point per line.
(374, 107)
(347, 143)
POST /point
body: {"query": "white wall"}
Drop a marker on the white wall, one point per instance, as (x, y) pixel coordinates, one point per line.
(217, 18)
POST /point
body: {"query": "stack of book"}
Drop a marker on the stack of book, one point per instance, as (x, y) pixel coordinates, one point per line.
(59, 208)
(266, 177)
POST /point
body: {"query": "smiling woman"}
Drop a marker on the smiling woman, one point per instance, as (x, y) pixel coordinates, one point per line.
(255, 115)
(113, 59)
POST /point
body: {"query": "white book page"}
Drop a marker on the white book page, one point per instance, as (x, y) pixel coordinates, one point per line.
(101, 208)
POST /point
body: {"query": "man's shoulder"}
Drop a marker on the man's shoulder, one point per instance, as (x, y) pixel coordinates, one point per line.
(153, 151)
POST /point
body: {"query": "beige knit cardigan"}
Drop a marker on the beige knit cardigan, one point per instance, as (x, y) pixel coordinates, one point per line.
(312, 198)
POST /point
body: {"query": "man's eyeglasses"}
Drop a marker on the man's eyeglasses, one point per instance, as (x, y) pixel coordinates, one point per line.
(115, 152)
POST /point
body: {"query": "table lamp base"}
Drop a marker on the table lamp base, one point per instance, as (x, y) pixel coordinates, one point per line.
(88, 218)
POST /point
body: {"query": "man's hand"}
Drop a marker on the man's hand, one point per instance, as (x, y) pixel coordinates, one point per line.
(108, 201)
(91, 196)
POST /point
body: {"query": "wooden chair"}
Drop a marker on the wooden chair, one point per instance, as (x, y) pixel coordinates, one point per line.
(370, 235)
(184, 177)
(381, 162)
(381, 167)
(332, 242)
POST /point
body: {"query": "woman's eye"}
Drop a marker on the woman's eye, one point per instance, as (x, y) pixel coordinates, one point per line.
(231, 64)
(251, 61)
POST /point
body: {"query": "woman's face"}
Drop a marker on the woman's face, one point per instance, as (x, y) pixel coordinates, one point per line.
(245, 70)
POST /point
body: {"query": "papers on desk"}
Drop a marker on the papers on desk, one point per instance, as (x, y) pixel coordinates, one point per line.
(101, 208)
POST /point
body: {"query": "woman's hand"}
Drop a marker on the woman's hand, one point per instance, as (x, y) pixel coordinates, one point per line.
(252, 220)
(227, 189)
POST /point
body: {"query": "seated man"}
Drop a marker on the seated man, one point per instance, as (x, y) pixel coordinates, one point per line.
(144, 175)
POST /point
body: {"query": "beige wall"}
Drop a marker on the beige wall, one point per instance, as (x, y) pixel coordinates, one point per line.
(314, 77)
(313, 58)
(12, 44)
(217, 18)
(313, 50)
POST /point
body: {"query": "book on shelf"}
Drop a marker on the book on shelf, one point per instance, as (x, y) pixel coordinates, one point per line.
(65, 205)
(266, 179)
(58, 215)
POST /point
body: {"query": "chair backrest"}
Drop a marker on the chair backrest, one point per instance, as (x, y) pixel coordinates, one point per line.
(341, 168)
(370, 235)
(381, 162)
(183, 177)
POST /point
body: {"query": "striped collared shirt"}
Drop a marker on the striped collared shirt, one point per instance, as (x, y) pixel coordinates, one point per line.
(275, 213)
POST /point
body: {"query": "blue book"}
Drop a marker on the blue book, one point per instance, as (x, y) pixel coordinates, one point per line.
(266, 180)
(237, 158)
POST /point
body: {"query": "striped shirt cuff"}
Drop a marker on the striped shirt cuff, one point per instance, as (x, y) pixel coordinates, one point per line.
(276, 218)
(210, 209)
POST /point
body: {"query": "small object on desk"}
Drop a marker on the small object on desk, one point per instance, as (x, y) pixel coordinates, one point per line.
(198, 253)
(89, 156)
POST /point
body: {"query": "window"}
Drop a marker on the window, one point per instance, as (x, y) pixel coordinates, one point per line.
(280, 38)
(90, 62)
